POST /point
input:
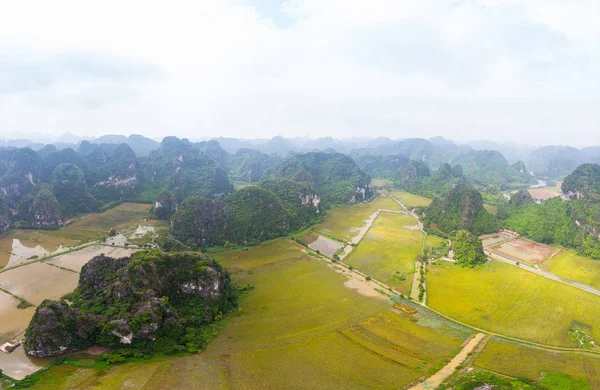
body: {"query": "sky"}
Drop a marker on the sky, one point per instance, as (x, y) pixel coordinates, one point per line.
(526, 71)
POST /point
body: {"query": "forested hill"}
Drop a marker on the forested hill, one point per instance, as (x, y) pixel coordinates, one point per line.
(334, 175)
(43, 189)
(583, 182)
(487, 167)
(573, 223)
(460, 208)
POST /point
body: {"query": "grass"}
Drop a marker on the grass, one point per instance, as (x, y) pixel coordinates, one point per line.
(300, 327)
(389, 250)
(382, 183)
(342, 222)
(125, 214)
(411, 200)
(518, 360)
(510, 301)
(491, 209)
(571, 266)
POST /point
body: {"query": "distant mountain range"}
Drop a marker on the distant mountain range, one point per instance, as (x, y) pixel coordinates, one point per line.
(552, 162)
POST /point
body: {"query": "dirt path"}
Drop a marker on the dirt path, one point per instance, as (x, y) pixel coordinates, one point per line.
(414, 291)
(545, 274)
(436, 379)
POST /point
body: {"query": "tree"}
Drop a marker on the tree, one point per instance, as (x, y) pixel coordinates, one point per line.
(468, 250)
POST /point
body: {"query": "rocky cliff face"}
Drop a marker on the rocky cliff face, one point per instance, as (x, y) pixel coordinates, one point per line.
(201, 222)
(5, 215)
(22, 174)
(335, 176)
(40, 208)
(165, 205)
(149, 296)
(460, 208)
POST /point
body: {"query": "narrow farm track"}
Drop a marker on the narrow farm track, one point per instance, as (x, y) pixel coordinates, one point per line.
(546, 274)
(439, 377)
(476, 329)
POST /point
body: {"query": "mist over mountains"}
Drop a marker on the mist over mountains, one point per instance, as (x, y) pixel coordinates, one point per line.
(553, 161)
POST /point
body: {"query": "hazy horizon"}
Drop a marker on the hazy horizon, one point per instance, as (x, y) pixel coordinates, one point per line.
(526, 72)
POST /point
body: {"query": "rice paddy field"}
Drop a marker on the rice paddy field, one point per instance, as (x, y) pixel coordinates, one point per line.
(518, 360)
(344, 223)
(300, 327)
(569, 265)
(507, 300)
(411, 200)
(379, 183)
(389, 250)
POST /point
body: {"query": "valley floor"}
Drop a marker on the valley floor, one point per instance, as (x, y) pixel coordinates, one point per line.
(314, 322)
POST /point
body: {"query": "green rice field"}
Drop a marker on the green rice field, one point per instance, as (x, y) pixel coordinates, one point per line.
(344, 222)
(300, 327)
(518, 360)
(389, 250)
(571, 266)
(411, 200)
(507, 300)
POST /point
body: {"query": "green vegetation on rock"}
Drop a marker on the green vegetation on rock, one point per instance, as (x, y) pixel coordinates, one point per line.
(201, 222)
(468, 250)
(258, 215)
(461, 208)
(333, 175)
(150, 303)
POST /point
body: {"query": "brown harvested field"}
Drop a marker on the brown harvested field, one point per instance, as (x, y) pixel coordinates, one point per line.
(125, 214)
(309, 238)
(544, 193)
(522, 249)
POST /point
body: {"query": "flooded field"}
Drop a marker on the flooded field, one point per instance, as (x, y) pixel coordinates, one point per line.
(12, 319)
(38, 281)
(21, 246)
(326, 245)
(489, 241)
(34, 282)
(18, 365)
(75, 260)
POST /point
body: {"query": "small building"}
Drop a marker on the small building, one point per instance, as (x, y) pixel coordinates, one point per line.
(508, 233)
(8, 347)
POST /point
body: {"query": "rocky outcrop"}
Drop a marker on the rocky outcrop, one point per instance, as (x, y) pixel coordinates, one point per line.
(460, 208)
(119, 301)
(41, 209)
(334, 176)
(22, 174)
(165, 205)
(5, 215)
(70, 188)
(57, 328)
(201, 222)
(520, 198)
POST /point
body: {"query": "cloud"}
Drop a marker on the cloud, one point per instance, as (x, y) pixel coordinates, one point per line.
(23, 70)
(464, 69)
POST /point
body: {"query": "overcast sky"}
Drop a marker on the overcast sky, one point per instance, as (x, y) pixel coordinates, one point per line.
(527, 71)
